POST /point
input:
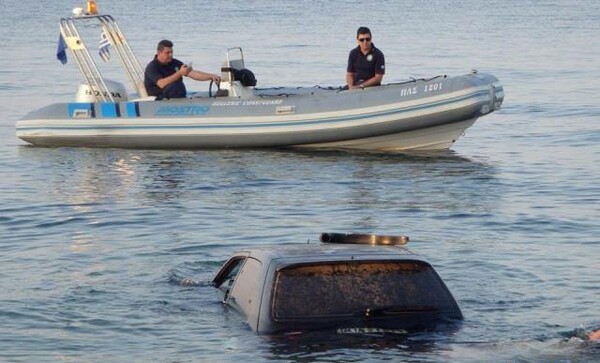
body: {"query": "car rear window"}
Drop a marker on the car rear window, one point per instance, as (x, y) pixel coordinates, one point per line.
(351, 287)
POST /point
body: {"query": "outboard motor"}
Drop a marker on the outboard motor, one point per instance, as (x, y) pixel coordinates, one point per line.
(85, 93)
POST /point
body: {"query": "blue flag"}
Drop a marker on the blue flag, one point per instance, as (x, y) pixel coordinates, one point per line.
(61, 53)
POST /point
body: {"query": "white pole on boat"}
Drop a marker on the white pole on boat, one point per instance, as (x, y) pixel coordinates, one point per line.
(130, 63)
(87, 66)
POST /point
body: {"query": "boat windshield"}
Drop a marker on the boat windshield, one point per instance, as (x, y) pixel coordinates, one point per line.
(360, 288)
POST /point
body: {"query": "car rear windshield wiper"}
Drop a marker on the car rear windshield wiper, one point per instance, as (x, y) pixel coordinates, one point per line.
(395, 310)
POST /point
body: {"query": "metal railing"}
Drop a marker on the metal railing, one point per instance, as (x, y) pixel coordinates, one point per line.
(87, 66)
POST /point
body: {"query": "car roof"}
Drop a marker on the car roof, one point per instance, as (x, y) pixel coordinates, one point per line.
(315, 252)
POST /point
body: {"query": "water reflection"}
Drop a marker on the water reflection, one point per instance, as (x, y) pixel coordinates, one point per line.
(440, 343)
(375, 189)
(369, 347)
(163, 180)
(80, 175)
(360, 186)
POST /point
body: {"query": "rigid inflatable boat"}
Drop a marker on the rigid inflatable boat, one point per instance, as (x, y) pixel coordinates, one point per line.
(418, 114)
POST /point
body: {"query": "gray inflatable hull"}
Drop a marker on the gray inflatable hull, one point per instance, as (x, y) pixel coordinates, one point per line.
(421, 114)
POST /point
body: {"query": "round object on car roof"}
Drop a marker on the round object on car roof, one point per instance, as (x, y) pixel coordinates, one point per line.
(361, 238)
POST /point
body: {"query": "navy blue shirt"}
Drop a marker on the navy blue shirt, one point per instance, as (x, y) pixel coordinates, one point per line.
(155, 71)
(365, 66)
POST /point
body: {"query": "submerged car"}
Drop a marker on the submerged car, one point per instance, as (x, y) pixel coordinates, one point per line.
(350, 283)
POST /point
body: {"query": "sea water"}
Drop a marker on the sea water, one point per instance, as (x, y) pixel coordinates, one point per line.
(107, 254)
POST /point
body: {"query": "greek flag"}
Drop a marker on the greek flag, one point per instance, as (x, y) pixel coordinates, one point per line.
(61, 50)
(103, 47)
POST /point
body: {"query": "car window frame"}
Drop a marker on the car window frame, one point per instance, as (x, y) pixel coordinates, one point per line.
(228, 274)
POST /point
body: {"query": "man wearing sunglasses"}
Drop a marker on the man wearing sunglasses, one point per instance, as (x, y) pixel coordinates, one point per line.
(366, 64)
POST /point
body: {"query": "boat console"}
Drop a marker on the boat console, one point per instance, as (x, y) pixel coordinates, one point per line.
(236, 80)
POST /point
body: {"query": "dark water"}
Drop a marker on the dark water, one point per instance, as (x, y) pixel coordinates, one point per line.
(107, 254)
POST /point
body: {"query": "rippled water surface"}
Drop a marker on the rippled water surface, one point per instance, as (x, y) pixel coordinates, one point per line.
(107, 254)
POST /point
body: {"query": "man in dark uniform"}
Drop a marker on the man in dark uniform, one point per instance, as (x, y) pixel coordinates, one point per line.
(366, 64)
(163, 77)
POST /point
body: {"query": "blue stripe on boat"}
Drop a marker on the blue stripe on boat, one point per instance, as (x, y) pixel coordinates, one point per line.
(109, 109)
(133, 109)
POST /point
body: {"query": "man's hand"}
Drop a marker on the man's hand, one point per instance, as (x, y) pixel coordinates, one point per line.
(185, 70)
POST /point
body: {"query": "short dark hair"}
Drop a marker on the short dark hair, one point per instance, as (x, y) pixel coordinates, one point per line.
(164, 44)
(363, 30)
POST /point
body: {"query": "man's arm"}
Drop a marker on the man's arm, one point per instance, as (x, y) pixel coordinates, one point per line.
(203, 76)
(375, 80)
(350, 80)
(350, 70)
(182, 71)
